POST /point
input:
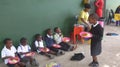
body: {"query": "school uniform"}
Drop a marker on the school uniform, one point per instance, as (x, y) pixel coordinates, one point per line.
(39, 44)
(49, 43)
(23, 49)
(96, 46)
(58, 39)
(8, 52)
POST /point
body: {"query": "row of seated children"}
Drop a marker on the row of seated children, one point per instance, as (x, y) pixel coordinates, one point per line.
(50, 40)
(9, 51)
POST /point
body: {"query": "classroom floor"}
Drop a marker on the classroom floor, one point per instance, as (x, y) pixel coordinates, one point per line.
(110, 56)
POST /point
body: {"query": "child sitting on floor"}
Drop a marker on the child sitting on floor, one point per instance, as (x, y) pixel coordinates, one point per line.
(39, 44)
(23, 49)
(58, 36)
(50, 43)
(9, 51)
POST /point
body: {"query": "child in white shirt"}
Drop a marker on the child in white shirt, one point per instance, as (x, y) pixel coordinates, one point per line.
(9, 51)
(58, 36)
(23, 49)
(39, 43)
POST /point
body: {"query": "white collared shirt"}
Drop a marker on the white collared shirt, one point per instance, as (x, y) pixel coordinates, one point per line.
(8, 52)
(58, 38)
(49, 36)
(23, 49)
(39, 44)
(94, 25)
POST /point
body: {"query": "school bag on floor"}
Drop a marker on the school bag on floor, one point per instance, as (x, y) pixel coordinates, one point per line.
(77, 57)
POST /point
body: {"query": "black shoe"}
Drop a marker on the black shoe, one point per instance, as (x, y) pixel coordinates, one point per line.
(50, 56)
(91, 64)
(94, 64)
(62, 52)
(42, 53)
(34, 63)
(58, 53)
(71, 48)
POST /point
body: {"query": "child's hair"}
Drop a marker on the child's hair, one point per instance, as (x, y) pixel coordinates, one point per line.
(94, 16)
(87, 6)
(37, 35)
(6, 39)
(56, 29)
(48, 30)
(23, 39)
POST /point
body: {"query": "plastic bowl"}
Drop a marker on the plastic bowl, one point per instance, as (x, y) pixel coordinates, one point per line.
(86, 35)
(13, 60)
(66, 39)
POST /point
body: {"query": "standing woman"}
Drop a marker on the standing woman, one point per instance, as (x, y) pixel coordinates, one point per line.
(99, 4)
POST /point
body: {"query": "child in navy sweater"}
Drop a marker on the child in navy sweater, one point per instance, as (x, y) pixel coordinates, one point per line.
(50, 42)
(97, 32)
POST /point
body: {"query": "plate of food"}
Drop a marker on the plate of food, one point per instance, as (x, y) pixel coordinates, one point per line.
(13, 60)
(66, 39)
(44, 49)
(30, 54)
(85, 34)
(56, 46)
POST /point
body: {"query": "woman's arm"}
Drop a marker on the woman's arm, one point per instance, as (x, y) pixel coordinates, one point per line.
(97, 3)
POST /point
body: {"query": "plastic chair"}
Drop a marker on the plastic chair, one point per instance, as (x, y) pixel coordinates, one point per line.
(76, 31)
(101, 23)
(117, 18)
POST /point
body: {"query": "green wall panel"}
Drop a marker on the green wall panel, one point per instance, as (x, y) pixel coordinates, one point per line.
(24, 18)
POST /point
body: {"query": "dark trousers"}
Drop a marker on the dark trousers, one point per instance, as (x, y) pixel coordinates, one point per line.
(64, 46)
(11, 65)
(54, 49)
